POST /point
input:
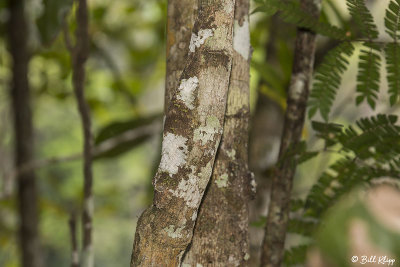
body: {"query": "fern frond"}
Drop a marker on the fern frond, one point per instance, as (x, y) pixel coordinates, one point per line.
(373, 149)
(363, 18)
(327, 79)
(378, 140)
(302, 227)
(368, 77)
(392, 54)
(392, 20)
(290, 12)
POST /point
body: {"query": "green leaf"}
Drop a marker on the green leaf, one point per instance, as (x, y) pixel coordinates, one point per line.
(363, 18)
(127, 135)
(296, 255)
(392, 19)
(291, 12)
(392, 54)
(368, 77)
(50, 22)
(327, 79)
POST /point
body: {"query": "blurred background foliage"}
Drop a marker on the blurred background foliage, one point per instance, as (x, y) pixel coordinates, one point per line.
(124, 89)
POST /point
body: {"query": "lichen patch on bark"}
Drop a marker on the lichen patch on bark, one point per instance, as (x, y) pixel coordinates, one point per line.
(222, 181)
(188, 190)
(198, 39)
(206, 133)
(186, 91)
(174, 233)
(174, 153)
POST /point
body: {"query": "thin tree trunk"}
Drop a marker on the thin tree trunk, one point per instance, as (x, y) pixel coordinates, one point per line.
(192, 133)
(278, 216)
(181, 17)
(79, 54)
(266, 130)
(20, 94)
(221, 233)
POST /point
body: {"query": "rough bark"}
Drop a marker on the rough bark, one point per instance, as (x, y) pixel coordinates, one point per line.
(181, 17)
(278, 215)
(221, 233)
(192, 132)
(20, 95)
(79, 54)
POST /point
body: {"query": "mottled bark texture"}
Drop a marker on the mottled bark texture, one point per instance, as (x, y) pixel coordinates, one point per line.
(79, 54)
(278, 215)
(221, 233)
(23, 130)
(192, 133)
(181, 16)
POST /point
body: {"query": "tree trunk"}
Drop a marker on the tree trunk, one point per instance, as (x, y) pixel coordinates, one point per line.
(20, 94)
(266, 130)
(79, 54)
(181, 16)
(221, 234)
(278, 215)
(192, 133)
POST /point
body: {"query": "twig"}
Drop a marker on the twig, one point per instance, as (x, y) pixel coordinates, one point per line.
(102, 148)
(79, 56)
(278, 215)
(74, 241)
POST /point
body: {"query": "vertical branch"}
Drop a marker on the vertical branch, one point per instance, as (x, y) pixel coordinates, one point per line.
(79, 54)
(192, 133)
(20, 94)
(74, 241)
(181, 16)
(278, 216)
(221, 236)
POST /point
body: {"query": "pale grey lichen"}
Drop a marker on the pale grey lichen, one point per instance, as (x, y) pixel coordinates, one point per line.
(231, 153)
(246, 257)
(174, 153)
(199, 39)
(174, 233)
(297, 85)
(241, 38)
(188, 190)
(222, 181)
(194, 215)
(206, 133)
(253, 183)
(186, 91)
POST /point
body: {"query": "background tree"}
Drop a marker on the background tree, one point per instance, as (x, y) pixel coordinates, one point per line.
(23, 130)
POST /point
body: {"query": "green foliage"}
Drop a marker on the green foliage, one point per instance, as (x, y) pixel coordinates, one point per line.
(368, 77)
(392, 50)
(327, 79)
(290, 12)
(363, 18)
(127, 134)
(368, 150)
(296, 255)
(392, 53)
(50, 22)
(392, 19)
